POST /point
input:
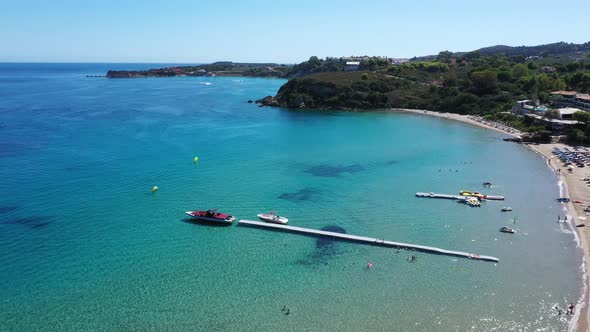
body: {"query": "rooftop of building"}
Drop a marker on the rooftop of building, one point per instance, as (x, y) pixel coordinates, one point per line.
(558, 121)
(564, 93)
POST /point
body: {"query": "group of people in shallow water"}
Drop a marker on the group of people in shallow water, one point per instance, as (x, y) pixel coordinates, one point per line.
(456, 170)
(410, 259)
(569, 311)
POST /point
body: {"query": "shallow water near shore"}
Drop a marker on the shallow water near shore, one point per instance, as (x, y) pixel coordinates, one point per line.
(85, 245)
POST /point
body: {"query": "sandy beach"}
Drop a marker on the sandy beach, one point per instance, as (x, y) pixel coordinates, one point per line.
(578, 191)
(574, 187)
(473, 120)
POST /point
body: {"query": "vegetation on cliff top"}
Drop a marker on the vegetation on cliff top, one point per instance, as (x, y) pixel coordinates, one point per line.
(554, 50)
(471, 83)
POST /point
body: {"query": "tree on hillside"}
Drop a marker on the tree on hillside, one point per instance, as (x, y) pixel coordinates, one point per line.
(579, 81)
(551, 114)
(573, 66)
(546, 83)
(532, 86)
(484, 82)
(444, 56)
(576, 135)
(505, 75)
(583, 117)
(450, 80)
(369, 64)
(472, 55)
(314, 60)
(532, 66)
(519, 70)
(518, 58)
(497, 60)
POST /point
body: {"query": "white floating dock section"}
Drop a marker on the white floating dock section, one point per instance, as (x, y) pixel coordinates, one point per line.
(445, 196)
(457, 197)
(494, 198)
(369, 240)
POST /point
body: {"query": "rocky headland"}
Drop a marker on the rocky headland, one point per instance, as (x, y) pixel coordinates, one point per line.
(214, 69)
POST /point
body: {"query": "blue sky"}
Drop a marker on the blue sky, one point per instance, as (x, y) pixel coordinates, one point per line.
(275, 31)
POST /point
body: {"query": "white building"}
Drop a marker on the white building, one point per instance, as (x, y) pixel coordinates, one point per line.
(571, 99)
(352, 65)
(567, 113)
(528, 106)
(399, 61)
(557, 125)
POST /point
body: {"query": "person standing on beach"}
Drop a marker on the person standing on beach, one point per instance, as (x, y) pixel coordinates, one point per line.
(570, 309)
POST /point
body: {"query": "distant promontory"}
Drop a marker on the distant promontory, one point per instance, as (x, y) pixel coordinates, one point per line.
(224, 68)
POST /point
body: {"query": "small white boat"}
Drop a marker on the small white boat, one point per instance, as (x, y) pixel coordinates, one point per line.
(473, 202)
(507, 230)
(506, 209)
(271, 217)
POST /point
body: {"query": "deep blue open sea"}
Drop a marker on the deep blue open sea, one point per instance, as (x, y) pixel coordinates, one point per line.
(85, 245)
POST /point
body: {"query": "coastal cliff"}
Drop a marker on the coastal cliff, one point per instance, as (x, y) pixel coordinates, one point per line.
(348, 90)
(469, 84)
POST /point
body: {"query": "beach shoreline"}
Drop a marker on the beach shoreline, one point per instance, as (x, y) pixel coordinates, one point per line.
(462, 118)
(573, 187)
(576, 190)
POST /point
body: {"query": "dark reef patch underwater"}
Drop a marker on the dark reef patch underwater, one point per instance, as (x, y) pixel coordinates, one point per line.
(324, 248)
(304, 194)
(34, 222)
(7, 209)
(334, 170)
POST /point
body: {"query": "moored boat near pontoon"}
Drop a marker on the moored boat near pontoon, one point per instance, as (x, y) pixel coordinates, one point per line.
(472, 193)
(273, 218)
(480, 195)
(211, 215)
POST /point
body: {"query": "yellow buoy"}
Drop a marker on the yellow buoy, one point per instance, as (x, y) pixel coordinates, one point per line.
(196, 159)
(154, 189)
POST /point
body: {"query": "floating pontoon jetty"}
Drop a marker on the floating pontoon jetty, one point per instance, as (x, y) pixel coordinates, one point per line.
(445, 196)
(457, 197)
(368, 240)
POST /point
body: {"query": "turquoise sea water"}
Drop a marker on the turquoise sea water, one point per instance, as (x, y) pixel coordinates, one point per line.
(85, 245)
